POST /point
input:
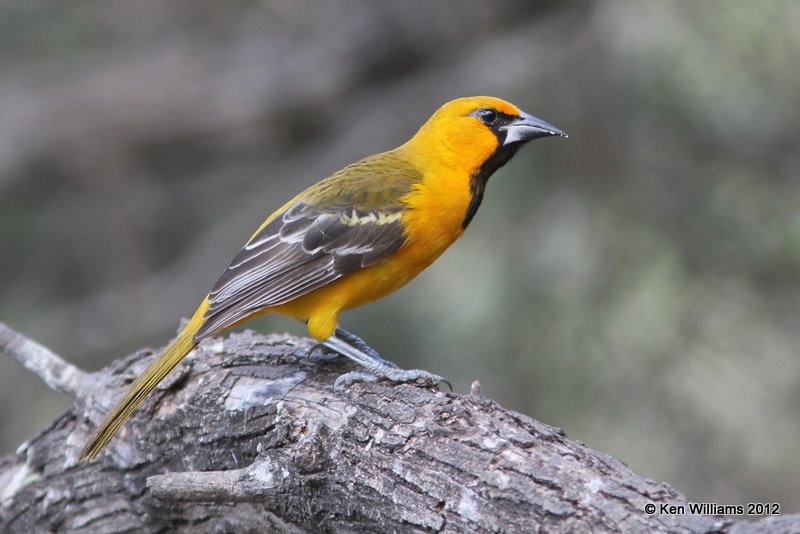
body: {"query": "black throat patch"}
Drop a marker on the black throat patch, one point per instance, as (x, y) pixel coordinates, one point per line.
(477, 184)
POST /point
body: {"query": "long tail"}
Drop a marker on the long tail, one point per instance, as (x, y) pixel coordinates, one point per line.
(158, 370)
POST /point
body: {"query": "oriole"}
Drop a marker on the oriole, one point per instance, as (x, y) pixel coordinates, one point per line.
(355, 237)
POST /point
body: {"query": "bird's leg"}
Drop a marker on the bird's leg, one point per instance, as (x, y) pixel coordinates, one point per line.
(376, 368)
(352, 340)
(358, 343)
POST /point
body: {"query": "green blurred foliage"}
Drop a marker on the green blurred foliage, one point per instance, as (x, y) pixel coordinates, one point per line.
(636, 284)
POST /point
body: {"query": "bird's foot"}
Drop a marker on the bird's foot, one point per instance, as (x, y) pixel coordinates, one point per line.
(395, 374)
(355, 341)
(375, 367)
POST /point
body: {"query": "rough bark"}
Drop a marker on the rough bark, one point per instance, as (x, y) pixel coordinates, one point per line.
(249, 436)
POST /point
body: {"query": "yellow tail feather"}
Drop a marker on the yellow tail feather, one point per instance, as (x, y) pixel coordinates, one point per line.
(155, 373)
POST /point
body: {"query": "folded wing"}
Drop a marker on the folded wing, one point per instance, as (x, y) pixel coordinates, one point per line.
(303, 249)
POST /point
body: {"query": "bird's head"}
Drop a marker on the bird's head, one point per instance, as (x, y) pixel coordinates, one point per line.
(480, 129)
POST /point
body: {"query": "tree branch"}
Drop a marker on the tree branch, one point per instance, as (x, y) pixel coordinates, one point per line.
(249, 435)
(264, 480)
(54, 371)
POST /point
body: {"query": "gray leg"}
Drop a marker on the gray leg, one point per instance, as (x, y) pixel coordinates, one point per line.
(358, 343)
(352, 340)
(377, 368)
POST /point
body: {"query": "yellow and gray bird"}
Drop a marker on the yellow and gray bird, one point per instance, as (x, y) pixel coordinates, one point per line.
(354, 237)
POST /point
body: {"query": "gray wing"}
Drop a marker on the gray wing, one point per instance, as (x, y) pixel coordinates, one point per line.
(303, 249)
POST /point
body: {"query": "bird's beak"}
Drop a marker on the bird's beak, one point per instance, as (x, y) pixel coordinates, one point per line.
(527, 127)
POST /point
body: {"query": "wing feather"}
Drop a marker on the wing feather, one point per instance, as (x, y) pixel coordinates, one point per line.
(305, 248)
(347, 222)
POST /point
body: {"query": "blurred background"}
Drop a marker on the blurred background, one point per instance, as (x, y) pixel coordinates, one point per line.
(637, 284)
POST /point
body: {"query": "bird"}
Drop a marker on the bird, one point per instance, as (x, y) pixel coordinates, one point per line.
(354, 237)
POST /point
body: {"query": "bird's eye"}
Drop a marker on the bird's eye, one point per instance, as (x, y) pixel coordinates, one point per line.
(487, 115)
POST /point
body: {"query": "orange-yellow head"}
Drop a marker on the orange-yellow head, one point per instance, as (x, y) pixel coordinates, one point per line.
(474, 128)
(475, 136)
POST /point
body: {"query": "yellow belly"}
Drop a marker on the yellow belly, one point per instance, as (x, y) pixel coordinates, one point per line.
(321, 307)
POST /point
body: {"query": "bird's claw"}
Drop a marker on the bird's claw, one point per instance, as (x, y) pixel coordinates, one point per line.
(396, 375)
(422, 377)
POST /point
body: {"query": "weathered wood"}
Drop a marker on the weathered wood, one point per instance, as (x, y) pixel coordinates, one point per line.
(58, 374)
(249, 436)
